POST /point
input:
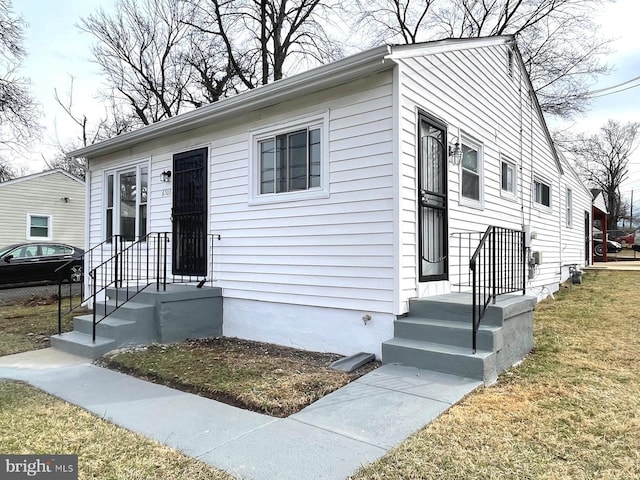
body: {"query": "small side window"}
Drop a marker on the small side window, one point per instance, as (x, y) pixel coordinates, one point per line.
(542, 193)
(39, 227)
(508, 177)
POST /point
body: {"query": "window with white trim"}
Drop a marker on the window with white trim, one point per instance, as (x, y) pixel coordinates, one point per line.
(541, 193)
(508, 177)
(569, 207)
(126, 202)
(39, 227)
(289, 161)
(471, 173)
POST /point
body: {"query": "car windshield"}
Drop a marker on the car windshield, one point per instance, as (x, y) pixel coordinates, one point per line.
(5, 250)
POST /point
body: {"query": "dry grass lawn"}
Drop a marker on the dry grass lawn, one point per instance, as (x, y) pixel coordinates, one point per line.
(32, 422)
(27, 326)
(571, 410)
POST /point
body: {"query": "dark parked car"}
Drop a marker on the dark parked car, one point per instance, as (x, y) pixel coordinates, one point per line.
(40, 262)
(612, 247)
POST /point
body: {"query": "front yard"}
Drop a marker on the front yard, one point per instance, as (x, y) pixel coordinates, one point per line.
(569, 411)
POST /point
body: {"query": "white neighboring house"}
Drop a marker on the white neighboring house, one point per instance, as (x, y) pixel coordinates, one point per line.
(46, 206)
(338, 195)
(576, 221)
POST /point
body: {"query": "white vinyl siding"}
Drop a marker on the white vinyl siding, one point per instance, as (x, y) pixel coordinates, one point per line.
(43, 195)
(496, 110)
(335, 250)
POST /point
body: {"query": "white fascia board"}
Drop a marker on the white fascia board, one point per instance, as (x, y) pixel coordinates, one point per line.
(447, 45)
(323, 77)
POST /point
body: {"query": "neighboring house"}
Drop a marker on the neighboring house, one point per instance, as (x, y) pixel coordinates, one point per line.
(342, 193)
(46, 206)
(576, 221)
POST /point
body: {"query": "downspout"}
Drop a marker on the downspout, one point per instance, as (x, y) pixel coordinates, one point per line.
(87, 216)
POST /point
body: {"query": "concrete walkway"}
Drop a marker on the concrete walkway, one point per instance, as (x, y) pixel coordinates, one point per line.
(330, 439)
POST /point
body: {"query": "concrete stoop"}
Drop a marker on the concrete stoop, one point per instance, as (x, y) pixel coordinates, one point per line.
(437, 335)
(180, 312)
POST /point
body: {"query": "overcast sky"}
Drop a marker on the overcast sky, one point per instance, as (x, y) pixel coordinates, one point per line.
(58, 50)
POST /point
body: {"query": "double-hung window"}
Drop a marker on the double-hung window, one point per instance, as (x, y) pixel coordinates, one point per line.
(39, 227)
(288, 161)
(508, 177)
(569, 207)
(126, 202)
(471, 174)
(541, 193)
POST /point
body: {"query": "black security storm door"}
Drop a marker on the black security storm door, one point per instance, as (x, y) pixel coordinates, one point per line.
(189, 213)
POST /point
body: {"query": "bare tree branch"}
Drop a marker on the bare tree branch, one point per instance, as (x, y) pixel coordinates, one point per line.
(603, 161)
(556, 37)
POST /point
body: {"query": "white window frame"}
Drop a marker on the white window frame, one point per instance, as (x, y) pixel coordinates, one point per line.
(116, 173)
(536, 203)
(49, 218)
(510, 164)
(471, 202)
(318, 121)
(569, 207)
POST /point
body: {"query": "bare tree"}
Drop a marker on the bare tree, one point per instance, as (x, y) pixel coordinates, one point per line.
(6, 171)
(148, 53)
(262, 37)
(603, 161)
(18, 110)
(556, 37)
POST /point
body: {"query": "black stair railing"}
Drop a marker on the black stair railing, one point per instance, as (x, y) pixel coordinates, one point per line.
(497, 267)
(128, 268)
(131, 268)
(71, 293)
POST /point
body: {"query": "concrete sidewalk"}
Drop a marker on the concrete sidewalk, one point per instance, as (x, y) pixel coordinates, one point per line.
(329, 439)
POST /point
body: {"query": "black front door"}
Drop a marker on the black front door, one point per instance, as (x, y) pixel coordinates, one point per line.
(432, 200)
(189, 213)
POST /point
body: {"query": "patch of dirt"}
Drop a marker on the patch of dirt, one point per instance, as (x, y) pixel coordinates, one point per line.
(287, 379)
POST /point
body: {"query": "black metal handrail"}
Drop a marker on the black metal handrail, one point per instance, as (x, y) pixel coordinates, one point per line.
(129, 267)
(497, 267)
(87, 258)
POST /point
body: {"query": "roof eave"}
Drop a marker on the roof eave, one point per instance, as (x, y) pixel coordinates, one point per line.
(326, 76)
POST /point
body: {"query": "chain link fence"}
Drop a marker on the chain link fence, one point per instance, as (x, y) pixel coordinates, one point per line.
(35, 294)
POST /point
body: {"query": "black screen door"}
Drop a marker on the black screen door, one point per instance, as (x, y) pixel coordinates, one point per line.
(189, 213)
(432, 201)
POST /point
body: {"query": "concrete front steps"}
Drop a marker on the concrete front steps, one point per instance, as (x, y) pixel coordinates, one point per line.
(437, 335)
(180, 312)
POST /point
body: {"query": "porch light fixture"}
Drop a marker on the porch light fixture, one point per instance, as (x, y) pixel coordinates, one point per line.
(455, 153)
(165, 176)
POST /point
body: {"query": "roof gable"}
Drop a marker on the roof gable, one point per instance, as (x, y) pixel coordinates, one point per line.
(42, 174)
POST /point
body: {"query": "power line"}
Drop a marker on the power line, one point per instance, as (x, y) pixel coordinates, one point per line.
(615, 86)
(611, 93)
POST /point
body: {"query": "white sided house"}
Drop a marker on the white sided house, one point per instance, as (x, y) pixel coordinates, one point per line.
(338, 209)
(47, 206)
